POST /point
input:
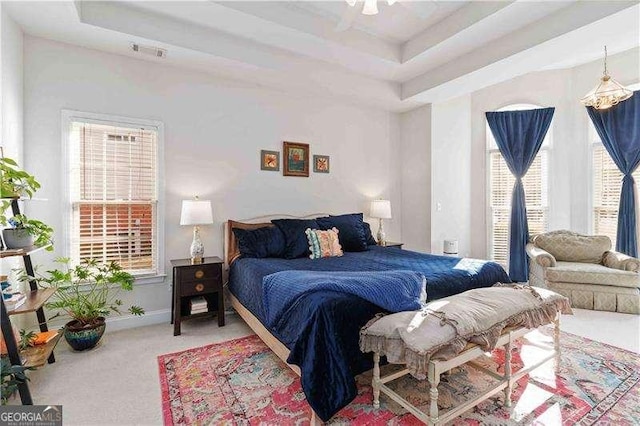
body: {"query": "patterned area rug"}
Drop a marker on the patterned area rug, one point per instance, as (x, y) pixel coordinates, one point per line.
(242, 382)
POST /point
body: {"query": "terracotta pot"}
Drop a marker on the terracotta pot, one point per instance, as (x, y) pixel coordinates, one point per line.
(82, 337)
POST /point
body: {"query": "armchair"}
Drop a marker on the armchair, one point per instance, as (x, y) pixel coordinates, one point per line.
(586, 270)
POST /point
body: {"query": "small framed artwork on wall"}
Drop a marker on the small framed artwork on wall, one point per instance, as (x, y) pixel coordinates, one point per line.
(270, 160)
(321, 164)
(296, 159)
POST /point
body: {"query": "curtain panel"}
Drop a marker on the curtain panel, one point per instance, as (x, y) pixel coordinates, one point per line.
(519, 136)
(619, 130)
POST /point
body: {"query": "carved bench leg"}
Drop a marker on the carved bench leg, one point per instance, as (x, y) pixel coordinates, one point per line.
(507, 373)
(434, 381)
(376, 380)
(556, 341)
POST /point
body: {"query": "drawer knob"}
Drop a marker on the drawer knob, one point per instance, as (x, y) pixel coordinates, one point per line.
(199, 273)
(199, 287)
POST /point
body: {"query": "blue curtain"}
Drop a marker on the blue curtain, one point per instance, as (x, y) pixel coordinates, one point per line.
(519, 135)
(619, 130)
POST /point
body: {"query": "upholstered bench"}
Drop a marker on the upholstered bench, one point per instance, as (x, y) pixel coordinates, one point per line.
(456, 330)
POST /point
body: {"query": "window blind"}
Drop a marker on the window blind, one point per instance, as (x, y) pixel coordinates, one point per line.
(607, 184)
(113, 187)
(501, 183)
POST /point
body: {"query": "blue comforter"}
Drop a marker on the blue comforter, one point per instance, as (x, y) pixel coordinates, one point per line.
(393, 291)
(322, 330)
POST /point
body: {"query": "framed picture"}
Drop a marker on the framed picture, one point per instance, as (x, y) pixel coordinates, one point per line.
(321, 164)
(270, 160)
(296, 159)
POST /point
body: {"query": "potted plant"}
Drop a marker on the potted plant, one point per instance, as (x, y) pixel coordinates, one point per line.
(11, 376)
(15, 182)
(24, 232)
(87, 293)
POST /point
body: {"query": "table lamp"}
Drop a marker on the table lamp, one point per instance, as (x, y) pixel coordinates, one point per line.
(381, 209)
(196, 212)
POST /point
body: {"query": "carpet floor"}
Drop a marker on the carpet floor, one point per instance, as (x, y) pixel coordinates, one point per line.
(243, 382)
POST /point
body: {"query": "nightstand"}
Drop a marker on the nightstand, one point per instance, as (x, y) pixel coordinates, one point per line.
(192, 281)
(392, 244)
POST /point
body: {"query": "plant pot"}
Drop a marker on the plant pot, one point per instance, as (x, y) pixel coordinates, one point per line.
(82, 337)
(15, 238)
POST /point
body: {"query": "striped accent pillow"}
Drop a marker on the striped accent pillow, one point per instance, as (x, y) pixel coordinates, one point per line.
(323, 243)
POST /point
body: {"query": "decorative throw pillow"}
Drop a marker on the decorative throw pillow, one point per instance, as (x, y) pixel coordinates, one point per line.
(368, 235)
(351, 227)
(296, 244)
(323, 243)
(259, 243)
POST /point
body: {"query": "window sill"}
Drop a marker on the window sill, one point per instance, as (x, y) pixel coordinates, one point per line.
(150, 279)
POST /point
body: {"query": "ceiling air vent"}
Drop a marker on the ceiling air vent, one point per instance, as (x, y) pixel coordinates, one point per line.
(149, 50)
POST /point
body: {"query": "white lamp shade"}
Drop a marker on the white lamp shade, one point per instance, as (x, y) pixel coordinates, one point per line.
(381, 209)
(196, 212)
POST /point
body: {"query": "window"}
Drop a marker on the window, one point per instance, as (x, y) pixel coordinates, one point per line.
(607, 184)
(113, 187)
(501, 183)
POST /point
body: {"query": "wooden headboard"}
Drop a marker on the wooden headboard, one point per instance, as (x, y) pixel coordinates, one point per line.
(231, 250)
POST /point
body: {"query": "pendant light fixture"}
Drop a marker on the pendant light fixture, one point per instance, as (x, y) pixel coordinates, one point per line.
(608, 92)
(370, 6)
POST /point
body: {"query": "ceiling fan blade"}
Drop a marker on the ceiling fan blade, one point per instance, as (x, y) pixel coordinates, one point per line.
(350, 14)
(422, 9)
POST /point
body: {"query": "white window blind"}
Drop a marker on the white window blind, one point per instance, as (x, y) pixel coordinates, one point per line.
(113, 180)
(607, 184)
(501, 183)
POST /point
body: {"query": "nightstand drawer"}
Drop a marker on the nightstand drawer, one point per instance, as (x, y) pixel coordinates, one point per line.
(193, 288)
(200, 272)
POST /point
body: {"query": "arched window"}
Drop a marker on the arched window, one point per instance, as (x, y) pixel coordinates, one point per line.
(500, 184)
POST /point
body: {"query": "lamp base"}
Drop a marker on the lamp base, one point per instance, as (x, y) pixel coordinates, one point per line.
(382, 238)
(197, 248)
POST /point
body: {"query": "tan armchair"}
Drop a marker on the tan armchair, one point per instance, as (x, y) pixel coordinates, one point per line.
(586, 270)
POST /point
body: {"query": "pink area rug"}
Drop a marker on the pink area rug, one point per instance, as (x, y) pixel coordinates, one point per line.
(242, 382)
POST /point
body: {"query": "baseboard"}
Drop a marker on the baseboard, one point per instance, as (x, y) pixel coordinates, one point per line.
(131, 321)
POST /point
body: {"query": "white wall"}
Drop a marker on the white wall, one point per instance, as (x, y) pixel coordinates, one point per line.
(12, 100)
(214, 130)
(570, 164)
(450, 175)
(415, 149)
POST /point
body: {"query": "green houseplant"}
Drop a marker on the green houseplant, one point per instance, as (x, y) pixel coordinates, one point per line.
(87, 293)
(11, 376)
(15, 182)
(25, 232)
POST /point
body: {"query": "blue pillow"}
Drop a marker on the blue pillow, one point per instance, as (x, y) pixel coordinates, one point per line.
(259, 243)
(296, 243)
(368, 235)
(351, 226)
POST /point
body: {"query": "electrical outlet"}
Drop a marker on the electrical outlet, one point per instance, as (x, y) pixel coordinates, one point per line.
(438, 207)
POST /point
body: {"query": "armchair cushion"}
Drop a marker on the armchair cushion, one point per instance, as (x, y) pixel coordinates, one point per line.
(616, 260)
(539, 256)
(568, 246)
(591, 273)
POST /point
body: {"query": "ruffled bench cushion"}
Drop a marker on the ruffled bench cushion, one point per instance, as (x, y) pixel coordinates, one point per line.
(591, 273)
(444, 327)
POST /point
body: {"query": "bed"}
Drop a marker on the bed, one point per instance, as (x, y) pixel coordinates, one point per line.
(319, 339)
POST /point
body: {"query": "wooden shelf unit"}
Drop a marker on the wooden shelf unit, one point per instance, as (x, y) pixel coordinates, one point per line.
(36, 356)
(33, 357)
(35, 300)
